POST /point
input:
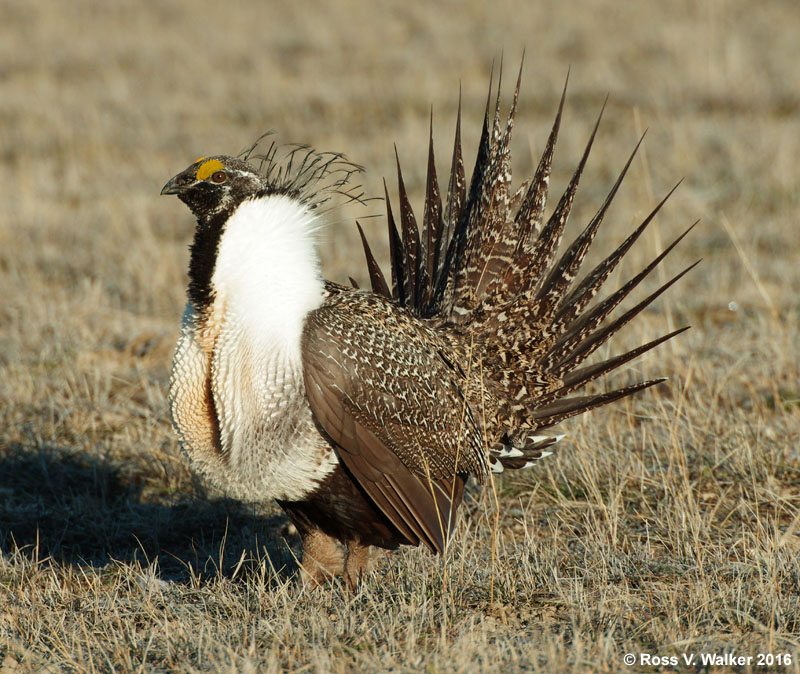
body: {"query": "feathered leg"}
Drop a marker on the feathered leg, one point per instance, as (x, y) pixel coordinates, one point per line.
(358, 561)
(322, 557)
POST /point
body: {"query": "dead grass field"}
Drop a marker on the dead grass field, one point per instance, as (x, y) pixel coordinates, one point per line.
(666, 525)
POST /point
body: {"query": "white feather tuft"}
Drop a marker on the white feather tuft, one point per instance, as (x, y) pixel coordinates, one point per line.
(267, 273)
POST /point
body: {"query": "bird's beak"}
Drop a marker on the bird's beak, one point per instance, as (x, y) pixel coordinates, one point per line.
(174, 186)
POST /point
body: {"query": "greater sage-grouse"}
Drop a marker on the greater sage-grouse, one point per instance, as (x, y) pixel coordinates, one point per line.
(364, 412)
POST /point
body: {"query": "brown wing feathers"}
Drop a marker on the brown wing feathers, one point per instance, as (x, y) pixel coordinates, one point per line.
(394, 409)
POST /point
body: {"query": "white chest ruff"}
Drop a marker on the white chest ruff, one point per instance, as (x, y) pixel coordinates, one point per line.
(237, 395)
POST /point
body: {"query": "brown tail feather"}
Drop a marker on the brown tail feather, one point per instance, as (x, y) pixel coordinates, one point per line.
(469, 222)
(527, 221)
(376, 277)
(592, 342)
(577, 379)
(494, 242)
(397, 257)
(550, 237)
(410, 238)
(456, 198)
(531, 213)
(432, 226)
(556, 412)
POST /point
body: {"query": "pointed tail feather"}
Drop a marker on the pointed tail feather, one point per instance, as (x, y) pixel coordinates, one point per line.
(575, 340)
(432, 226)
(465, 230)
(411, 241)
(456, 200)
(556, 412)
(577, 379)
(495, 239)
(397, 257)
(527, 220)
(376, 277)
(550, 237)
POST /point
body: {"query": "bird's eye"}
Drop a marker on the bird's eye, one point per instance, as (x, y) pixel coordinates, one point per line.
(219, 177)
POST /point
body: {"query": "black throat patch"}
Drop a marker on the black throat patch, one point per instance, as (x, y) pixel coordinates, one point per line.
(203, 257)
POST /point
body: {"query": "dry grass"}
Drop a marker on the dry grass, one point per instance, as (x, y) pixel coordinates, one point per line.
(667, 525)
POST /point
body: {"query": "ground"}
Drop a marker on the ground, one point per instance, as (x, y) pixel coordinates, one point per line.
(666, 526)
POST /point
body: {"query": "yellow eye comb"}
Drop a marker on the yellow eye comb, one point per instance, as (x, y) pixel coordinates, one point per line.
(207, 168)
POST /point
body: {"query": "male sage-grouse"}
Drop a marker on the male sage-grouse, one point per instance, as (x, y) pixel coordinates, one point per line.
(364, 412)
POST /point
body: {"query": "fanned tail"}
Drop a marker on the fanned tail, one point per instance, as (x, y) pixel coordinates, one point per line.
(485, 266)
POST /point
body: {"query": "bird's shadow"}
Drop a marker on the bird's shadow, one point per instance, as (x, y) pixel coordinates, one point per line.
(75, 510)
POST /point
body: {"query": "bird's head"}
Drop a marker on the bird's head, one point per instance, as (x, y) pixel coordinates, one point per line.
(214, 184)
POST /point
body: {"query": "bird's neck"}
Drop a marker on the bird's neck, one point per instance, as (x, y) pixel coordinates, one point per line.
(266, 274)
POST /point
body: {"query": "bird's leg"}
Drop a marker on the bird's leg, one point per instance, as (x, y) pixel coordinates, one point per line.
(358, 561)
(322, 557)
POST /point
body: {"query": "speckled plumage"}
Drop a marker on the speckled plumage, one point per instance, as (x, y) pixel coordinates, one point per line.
(364, 413)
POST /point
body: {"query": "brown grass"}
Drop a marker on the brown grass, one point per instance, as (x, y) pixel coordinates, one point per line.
(667, 525)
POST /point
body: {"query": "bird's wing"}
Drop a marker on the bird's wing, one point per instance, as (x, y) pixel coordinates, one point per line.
(379, 386)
